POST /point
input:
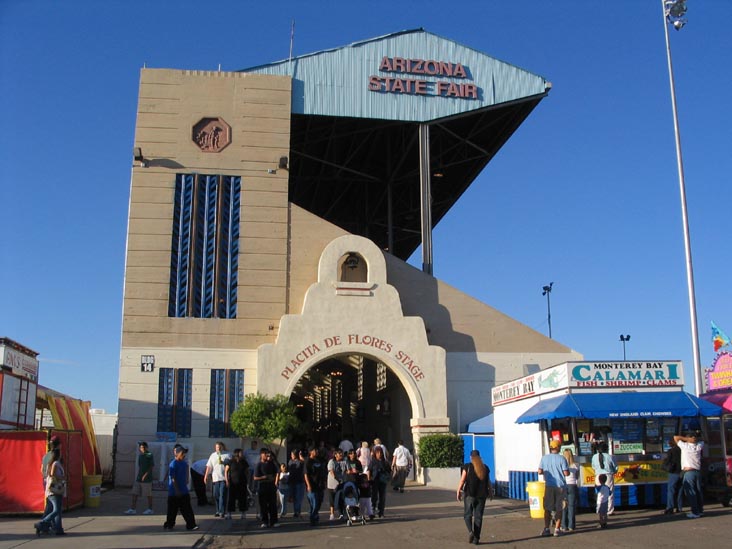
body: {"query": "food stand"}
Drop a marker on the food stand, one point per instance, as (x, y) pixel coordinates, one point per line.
(718, 463)
(635, 407)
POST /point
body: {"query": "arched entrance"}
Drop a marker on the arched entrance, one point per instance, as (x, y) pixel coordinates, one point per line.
(353, 322)
(354, 397)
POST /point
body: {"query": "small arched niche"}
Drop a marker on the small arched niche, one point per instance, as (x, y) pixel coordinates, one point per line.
(352, 267)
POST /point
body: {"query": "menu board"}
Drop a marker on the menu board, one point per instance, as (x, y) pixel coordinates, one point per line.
(627, 430)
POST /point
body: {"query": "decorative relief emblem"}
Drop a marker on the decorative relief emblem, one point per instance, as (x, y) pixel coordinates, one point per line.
(212, 134)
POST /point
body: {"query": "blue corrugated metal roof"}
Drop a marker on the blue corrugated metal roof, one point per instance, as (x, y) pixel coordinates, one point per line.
(336, 82)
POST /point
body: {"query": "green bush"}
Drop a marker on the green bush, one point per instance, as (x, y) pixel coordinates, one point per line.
(440, 451)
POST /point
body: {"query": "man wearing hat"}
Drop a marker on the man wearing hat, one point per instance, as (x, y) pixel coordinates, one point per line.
(555, 468)
(474, 488)
(179, 498)
(143, 482)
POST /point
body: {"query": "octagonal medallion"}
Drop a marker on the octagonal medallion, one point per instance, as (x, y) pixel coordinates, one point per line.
(212, 134)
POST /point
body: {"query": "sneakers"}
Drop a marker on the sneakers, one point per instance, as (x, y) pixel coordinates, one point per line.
(557, 532)
(147, 512)
(217, 515)
(130, 511)
(545, 533)
(332, 517)
(692, 515)
(263, 525)
(192, 528)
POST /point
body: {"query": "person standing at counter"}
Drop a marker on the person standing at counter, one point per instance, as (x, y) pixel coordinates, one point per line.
(604, 463)
(570, 510)
(672, 465)
(555, 468)
(691, 450)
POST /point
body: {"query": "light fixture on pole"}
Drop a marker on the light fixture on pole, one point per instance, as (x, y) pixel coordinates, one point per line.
(624, 339)
(673, 15)
(547, 290)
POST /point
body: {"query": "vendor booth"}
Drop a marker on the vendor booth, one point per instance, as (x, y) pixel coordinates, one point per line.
(635, 407)
(718, 463)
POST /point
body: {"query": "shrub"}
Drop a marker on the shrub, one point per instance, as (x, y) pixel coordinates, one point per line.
(440, 451)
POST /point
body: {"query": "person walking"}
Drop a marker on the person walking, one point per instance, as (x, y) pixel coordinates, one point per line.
(314, 484)
(179, 498)
(334, 484)
(265, 476)
(53, 443)
(215, 468)
(554, 468)
(296, 468)
(474, 489)
(401, 464)
(672, 465)
(237, 474)
(143, 482)
(691, 450)
(54, 491)
(380, 473)
(604, 463)
(364, 455)
(283, 488)
(570, 510)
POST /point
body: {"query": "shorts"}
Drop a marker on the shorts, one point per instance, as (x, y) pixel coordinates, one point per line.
(555, 498)
(331, 496)
(142, 489)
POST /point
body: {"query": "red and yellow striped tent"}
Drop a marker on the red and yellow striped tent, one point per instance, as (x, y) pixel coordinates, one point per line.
(72, 414)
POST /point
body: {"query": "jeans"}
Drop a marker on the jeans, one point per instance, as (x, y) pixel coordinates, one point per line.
(297, 491)
(473, 513)
(54, 517)
(315, 499)
(693, 491)
(220, 493)
(570, 510)
(283, 493)
(674, 493)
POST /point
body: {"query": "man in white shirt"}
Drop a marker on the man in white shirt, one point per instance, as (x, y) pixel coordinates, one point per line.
(401, 463)
(216, 469)
(691, 453)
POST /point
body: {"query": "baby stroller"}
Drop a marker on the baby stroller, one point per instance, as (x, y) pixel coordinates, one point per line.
(350, 501)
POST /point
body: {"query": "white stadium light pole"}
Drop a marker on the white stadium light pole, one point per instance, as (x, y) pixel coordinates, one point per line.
(673, 15)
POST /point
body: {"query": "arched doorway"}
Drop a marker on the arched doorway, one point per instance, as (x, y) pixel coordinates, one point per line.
(354, 397)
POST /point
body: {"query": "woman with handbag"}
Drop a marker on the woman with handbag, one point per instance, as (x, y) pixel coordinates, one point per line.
(55, 490)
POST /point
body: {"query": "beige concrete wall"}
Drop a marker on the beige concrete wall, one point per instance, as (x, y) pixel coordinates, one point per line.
(138, 397)
(257, 108)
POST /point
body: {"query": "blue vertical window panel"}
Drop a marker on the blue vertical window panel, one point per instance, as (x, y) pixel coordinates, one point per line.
(228, 254)
(236, 390)
(205, 246)
(180, 246)
(183, 404)
(166, 400)
(216, 418)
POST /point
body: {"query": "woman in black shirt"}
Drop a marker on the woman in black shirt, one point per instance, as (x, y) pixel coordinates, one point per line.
(475, 481)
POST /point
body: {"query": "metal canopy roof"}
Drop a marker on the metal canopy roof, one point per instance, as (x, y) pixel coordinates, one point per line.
(354, 152)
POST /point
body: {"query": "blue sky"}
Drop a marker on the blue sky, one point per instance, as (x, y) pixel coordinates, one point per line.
(585, 194)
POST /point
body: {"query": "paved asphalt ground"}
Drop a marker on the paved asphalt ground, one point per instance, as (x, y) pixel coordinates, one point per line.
(422, 517)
